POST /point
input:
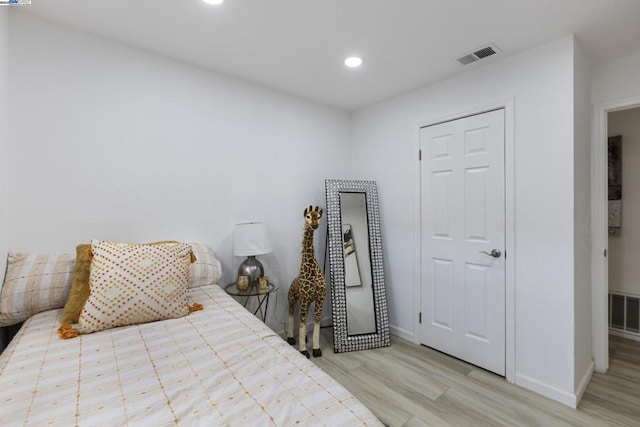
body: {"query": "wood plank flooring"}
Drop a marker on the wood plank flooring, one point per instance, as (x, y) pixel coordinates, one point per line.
(413, 386)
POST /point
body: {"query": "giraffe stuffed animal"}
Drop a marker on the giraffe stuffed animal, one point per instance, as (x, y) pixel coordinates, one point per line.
(308, 287)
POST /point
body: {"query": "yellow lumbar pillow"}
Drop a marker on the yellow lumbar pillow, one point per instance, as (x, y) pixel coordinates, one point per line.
(79, 285)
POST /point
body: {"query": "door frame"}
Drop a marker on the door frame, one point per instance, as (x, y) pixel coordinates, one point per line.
(599, 229)
(509, 187)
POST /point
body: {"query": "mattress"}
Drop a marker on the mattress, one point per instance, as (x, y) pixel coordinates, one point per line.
(219, 366)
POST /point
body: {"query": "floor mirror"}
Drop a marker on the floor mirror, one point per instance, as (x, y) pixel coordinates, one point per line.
(358, 296)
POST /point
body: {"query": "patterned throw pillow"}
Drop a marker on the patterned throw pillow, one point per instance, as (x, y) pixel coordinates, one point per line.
(135, 283)
(34, 283)
(206, 270)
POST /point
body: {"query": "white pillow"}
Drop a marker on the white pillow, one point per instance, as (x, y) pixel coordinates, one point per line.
(206, 270)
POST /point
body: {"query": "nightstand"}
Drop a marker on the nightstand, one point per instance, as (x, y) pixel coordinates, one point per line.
(262, 296)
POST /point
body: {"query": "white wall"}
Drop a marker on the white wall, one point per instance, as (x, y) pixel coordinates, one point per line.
(616, 80)
(112, 142)
(540, 82)
(582, 213)
(4, 106)
(624, 250)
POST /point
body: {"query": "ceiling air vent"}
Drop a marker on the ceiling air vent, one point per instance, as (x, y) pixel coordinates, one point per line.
(478, 54)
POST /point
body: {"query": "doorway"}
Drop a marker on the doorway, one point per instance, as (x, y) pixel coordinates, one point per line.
(463, 239)
(600, 229)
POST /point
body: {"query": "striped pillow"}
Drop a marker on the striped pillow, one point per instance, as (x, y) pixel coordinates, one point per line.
(34, 283)
(206, 270)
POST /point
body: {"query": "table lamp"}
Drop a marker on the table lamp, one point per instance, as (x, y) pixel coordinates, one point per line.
(251, 239)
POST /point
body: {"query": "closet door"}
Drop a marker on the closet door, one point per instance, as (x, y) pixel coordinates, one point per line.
(463, 239)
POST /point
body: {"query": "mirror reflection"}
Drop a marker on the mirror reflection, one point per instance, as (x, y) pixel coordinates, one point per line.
(351, 269)
(357, 264)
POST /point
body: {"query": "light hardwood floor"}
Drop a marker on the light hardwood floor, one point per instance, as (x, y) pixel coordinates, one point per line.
(410, 385)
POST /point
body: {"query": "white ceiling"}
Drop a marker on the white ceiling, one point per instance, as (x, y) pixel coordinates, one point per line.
(298, 46)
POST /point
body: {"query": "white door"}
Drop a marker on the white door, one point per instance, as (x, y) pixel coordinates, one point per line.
(463, 239)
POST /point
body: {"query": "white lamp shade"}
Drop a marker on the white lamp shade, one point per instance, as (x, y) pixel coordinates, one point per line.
(251, 238)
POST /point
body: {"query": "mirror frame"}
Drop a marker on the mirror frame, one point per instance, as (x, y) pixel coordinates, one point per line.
(342, 341)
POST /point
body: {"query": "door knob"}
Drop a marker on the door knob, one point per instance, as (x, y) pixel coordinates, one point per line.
(494, 253)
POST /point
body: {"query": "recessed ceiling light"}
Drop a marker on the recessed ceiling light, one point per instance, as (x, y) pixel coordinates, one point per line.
(353, 62)
(214, 2)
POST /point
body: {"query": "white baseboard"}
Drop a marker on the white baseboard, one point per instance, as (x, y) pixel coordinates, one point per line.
(623, 334)
(401, 332)
(584, 381)
(547, 390)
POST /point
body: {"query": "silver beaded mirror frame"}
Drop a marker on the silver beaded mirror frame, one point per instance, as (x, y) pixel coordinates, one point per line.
(379, 337)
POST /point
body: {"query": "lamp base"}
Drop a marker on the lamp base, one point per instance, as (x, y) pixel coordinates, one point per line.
(251, 268)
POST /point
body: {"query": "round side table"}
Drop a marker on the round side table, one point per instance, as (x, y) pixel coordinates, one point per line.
(253, 292)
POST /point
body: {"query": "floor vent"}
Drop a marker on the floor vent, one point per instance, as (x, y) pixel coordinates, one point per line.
(624, 313)
(481, 53)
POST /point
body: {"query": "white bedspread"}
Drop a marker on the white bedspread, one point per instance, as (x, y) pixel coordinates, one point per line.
(219, 366)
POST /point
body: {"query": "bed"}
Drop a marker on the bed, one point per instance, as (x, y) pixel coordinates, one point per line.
(217, 366)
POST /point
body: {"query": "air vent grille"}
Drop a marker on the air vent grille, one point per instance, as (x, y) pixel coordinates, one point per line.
(633, 314)
(624, 313)
(483, 53)
(477, 54)
(617, 311)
